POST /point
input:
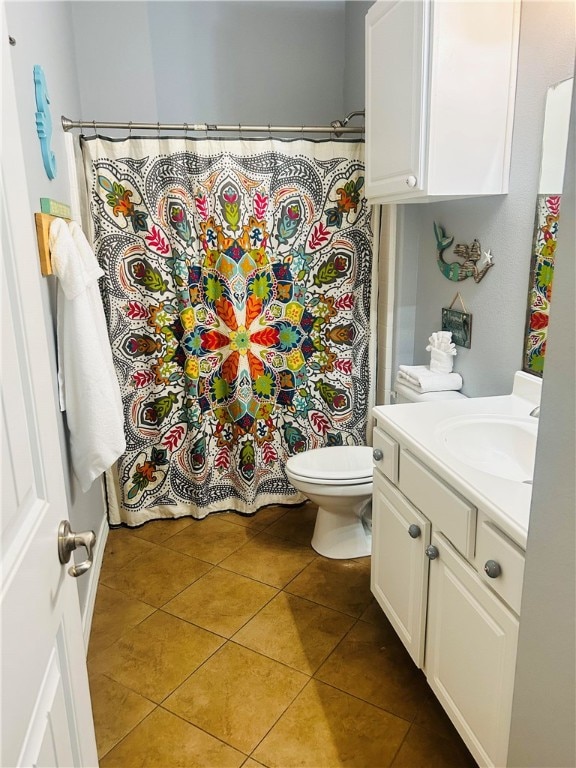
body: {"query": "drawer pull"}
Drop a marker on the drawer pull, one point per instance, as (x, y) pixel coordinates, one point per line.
(492, 569)
(411, 181)
(377, 454)
(414, 531)
(431, 552)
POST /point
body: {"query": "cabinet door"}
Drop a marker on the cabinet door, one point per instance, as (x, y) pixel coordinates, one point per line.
(471, 641)
(399, 576)
(396, 97)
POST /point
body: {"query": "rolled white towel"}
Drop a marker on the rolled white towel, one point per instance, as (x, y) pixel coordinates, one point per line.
(441, 362)
(422, 379)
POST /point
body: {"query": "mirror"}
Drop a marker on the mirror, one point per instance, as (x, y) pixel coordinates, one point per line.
(548, 203)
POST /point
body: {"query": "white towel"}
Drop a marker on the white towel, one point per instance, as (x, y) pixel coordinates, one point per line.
(89, 391)
(422, 379)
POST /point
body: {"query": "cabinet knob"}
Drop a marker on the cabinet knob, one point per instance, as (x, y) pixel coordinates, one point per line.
(411, 181)
(492, 569)
(414, 531)
(431, 552)
(377, 454)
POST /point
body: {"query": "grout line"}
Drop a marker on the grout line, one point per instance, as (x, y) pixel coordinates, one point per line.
(200, 728)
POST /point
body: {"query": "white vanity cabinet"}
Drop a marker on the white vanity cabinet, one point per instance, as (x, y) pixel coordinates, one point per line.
(440, 89)
(458, 622)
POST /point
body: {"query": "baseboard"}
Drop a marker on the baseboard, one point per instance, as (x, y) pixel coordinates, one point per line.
(93, 576)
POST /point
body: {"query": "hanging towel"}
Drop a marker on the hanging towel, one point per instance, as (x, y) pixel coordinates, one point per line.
(89, 390)
(422, 379)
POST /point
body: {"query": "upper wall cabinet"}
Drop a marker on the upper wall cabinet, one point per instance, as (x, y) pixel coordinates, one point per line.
(440, 87)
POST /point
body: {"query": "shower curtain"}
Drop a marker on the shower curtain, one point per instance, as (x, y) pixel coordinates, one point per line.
(238, 289)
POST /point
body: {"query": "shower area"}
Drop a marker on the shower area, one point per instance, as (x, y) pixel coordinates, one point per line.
(239, 253)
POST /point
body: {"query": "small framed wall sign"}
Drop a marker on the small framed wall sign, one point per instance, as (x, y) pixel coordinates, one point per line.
(459, 322)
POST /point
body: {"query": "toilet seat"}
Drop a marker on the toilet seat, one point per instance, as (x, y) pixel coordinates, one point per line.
(338, 465)
(323, 481)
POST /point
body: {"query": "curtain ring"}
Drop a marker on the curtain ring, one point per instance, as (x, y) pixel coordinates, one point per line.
(269, 131)
(158, 129)
(94, 126)
(185, 126)
(130, 129)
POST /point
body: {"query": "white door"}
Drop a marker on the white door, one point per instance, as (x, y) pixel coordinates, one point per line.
(399, 578)
(46, 712)
(396, 98)
(471, 645)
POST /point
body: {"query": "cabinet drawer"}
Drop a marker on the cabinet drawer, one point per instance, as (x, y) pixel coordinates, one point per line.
(388, 464)
(449, 513)
(491, 544)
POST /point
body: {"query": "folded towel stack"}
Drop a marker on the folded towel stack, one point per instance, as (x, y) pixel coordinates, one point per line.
(422, 379)
(442, 351)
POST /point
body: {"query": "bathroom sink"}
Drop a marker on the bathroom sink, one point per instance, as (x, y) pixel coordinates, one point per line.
(503, 446)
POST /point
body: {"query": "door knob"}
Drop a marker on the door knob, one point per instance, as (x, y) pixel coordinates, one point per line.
(68, 541)
(431, 552)
(414, 531)
(377, 454)
(492, 569)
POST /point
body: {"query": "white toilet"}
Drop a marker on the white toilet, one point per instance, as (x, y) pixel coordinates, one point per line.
(339, 480)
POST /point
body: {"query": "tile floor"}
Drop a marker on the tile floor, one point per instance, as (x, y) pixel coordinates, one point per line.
(230, 642)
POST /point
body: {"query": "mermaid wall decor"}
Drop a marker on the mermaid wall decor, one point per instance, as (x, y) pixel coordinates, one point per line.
(474, 263)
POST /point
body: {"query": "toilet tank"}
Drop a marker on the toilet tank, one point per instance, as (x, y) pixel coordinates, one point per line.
(408, 395)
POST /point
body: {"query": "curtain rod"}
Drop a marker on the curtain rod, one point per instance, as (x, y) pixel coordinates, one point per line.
(337, 127)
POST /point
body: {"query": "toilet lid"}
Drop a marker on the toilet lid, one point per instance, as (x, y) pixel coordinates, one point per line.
(339, 463)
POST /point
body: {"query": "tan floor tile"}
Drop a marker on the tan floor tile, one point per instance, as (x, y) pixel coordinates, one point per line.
(116, 711)
(328, 728)
(157, 576)
(158, 531)
(295, 631)
(424, 749)
(373, 614)
(165, 741)
(211, 539)
(269, 559)
(121, 548)
(114, 613)
(340, 584)
(237, 695)
(221, 601)
(372, 663)
(157, 655)
(296, 524)
(431, 716)
(261, 519)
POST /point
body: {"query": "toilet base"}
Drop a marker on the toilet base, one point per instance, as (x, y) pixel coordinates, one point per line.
(341, 535)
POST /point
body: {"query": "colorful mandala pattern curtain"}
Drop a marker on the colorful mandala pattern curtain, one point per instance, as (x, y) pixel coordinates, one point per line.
(238, 289)
(541, 277)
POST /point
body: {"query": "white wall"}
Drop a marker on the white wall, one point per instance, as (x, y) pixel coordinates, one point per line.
(43, 34)
(211, 61)
(503, 224)
(354, 73)
(543, 733)
(113, 58)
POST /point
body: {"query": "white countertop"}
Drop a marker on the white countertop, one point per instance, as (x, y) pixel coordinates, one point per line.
(415, 427)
